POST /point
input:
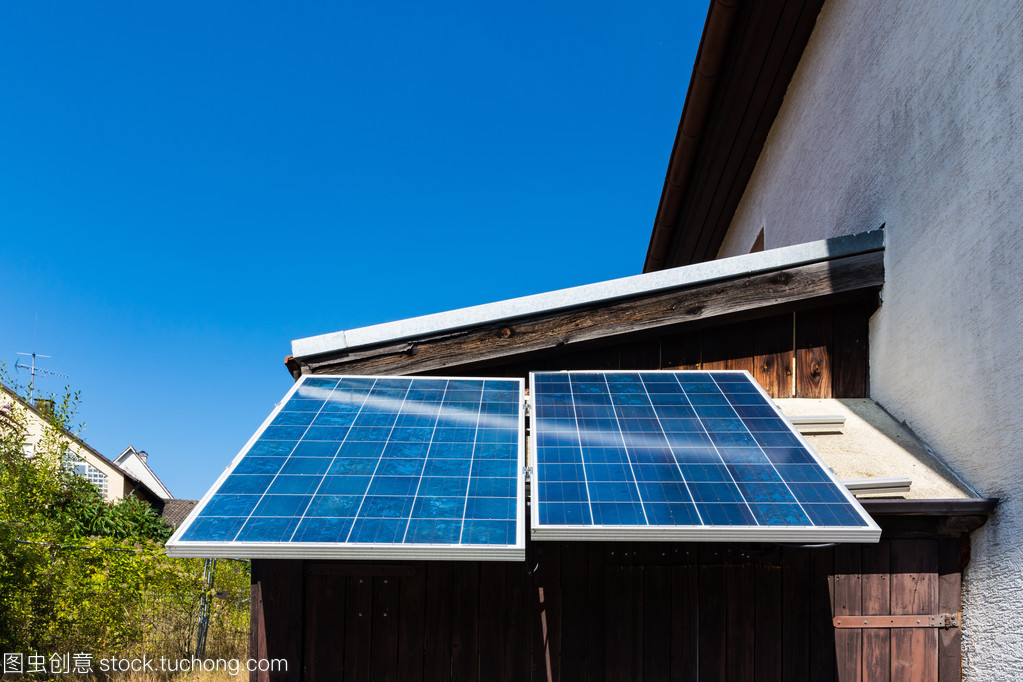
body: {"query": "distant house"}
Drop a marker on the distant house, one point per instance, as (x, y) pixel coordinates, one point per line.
(115, 480)
(135, 463)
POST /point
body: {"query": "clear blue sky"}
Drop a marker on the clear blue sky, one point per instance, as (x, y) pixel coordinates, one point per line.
(187, 187)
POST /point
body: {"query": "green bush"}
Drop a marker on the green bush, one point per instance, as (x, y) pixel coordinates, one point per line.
(80, 574)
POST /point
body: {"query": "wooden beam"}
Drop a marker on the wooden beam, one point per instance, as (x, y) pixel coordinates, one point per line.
(755, 295)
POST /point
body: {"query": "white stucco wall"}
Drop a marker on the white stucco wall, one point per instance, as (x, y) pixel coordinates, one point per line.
(911, 114)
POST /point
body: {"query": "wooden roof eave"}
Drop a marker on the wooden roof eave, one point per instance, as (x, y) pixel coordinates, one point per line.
(742, 296)
(747, 57)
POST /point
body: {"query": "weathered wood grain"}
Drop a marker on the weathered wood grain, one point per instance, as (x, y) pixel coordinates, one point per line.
(759, 293)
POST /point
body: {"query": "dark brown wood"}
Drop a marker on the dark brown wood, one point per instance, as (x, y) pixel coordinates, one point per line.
(914, 566)
(762, 54)
(681, 351)
(358, 629)
(384, 646)
(772, 364)
(685, 609)
(465, 622)
(324, 606)
(847, 593)
(644, 354)
(849, 357)
(257, 619)
(575, 611)
(950, 590)
(412, 623)
(876, 600)
(813, 353)
(731, 347)
(656, 622)
(769, 625)
(740, 113)
(968, 506)
(756, 295)
(822, 634)
(621, 611)
(362, 570)
(796, 614)
(493, 619)
(713, 605)
(516, 628)
(278, 618)
(740, 597)
(439, 606)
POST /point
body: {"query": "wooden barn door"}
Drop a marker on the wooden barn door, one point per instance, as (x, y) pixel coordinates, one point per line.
(913, 584)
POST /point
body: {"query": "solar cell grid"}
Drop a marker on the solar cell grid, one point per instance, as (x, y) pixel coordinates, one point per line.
(690, 455)
(361, 466)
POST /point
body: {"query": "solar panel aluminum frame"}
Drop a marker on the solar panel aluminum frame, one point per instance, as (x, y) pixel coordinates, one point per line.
(357, 551)
(714, 533)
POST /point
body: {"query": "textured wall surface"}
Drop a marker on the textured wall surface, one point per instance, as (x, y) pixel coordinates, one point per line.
(911, 114)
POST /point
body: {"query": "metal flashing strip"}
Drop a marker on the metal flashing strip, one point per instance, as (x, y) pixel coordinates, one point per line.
(373, 468)
(678, 455)
(589, 294)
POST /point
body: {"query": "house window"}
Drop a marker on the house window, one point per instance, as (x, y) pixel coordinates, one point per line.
(92, 475)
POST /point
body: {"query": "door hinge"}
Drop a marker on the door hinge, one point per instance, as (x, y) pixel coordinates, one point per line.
(941, 620)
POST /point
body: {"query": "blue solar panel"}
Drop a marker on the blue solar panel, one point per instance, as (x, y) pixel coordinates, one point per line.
(678, 455)
(374, 467)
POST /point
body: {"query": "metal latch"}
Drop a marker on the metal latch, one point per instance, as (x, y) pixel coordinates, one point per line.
(941, 620)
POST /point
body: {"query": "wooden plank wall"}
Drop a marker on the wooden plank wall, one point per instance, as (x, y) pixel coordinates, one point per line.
(606, 612)
(817, 353)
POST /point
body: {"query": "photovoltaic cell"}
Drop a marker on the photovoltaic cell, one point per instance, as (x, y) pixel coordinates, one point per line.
(374, 467)
(678, 455)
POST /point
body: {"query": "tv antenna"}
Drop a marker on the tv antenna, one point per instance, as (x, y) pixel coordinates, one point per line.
(33, 369)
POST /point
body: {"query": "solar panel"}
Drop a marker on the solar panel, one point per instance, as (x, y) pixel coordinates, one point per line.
(373, 467)
(665, 455)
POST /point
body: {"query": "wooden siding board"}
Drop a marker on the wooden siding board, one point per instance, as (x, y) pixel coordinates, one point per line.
(847, 590)
(731, 347)
(950, 600)
(257, 617)
(914, 590)
(876, 598)
(645, 354)
(729, 112)
(493, 619)
(766, 51)
(439, 602)
(772, 364)
(769, 623)
(384, 642)
(681, 351)
(595, 588)
(516, 628)
(657, 589)
(796, 615)
(755, 295)
(325, 627)
(358, 629)
(814, 330)
(822, 637)
(849, 365)
(685, 611)
(278, 618)
(412, 623)
(575, 611)
(465, 622)
(740, 618)
(713, 646)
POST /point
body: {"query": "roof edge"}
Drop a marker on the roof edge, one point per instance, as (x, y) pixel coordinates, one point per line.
(588, 294)
(81, 443)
